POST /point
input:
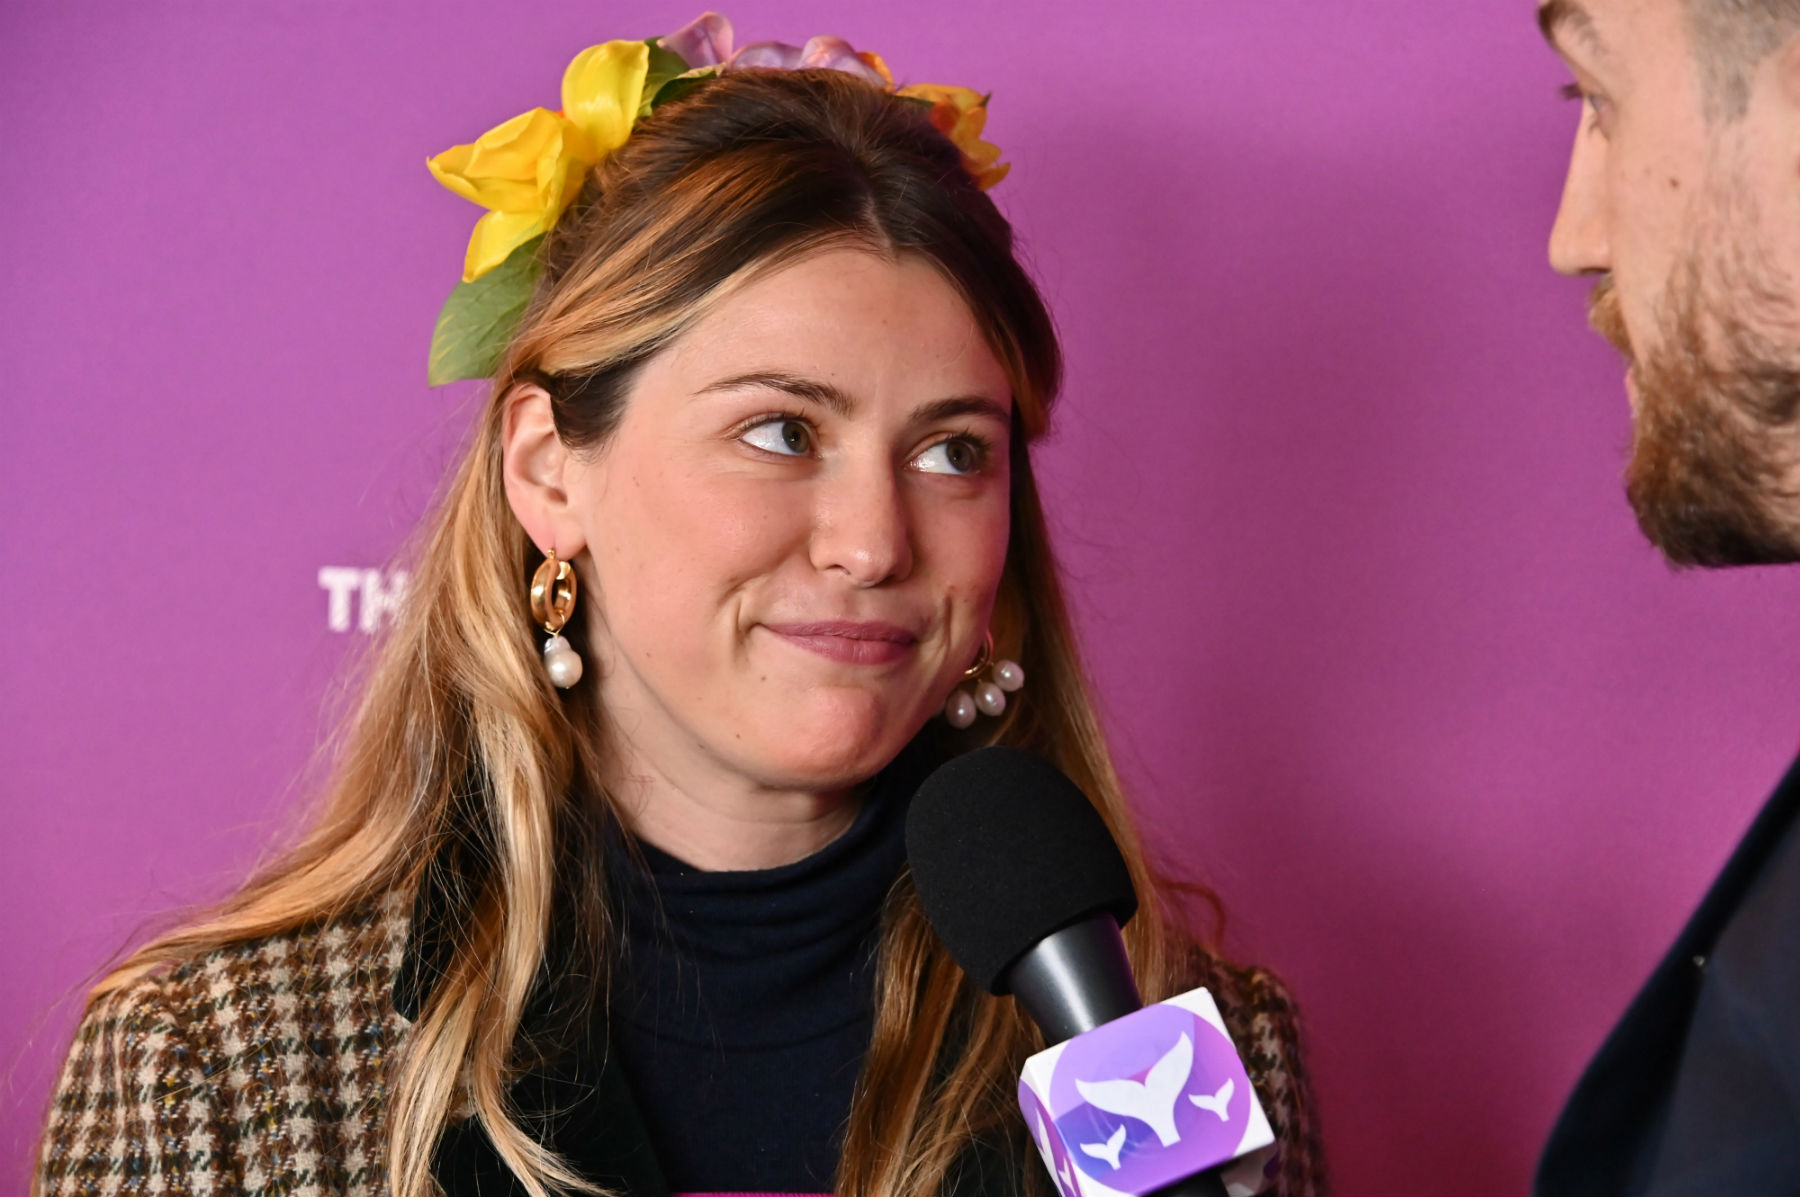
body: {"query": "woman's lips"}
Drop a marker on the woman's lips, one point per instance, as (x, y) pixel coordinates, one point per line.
(850, 643)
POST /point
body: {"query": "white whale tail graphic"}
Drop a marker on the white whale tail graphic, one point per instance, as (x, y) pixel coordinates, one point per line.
(1109, 1150)
(1218, 1101)
(1153, 1100)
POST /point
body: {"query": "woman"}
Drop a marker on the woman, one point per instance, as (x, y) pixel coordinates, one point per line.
(628, 910)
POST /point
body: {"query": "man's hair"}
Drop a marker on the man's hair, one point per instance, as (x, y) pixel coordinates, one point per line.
(1730, 38)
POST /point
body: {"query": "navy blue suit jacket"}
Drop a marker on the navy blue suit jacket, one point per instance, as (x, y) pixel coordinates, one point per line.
(1697, 1090)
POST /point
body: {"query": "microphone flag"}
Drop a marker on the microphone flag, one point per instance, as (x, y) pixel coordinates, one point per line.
(1146, 1100)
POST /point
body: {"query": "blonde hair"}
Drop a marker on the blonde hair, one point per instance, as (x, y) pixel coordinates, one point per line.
(460, 751)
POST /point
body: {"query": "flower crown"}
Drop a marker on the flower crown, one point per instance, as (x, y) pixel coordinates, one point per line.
(526, 170)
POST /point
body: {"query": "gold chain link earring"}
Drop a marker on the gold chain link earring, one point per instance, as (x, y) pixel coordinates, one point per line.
(552, 602)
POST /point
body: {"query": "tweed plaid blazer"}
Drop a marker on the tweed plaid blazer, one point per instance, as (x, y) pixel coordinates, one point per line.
(263, 1068)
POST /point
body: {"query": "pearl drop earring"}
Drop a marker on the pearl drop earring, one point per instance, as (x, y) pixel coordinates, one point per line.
(552, 602)
(989, 697)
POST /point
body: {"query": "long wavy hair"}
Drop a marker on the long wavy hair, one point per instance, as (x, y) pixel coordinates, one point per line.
(744, 174)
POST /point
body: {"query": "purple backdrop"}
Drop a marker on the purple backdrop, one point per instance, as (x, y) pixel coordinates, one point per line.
(1336, 476)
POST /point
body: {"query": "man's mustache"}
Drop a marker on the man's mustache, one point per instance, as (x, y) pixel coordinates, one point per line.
(1605, 318)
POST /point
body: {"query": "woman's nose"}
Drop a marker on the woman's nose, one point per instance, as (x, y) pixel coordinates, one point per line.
(861, 527)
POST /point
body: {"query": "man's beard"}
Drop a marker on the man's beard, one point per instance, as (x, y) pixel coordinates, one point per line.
(1715, 447)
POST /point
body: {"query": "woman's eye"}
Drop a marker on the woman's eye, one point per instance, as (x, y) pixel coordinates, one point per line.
(790, 438)
(958, 455)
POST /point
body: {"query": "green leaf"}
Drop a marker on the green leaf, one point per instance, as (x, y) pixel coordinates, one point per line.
(680, 85)
(480, 317)
(664, 66)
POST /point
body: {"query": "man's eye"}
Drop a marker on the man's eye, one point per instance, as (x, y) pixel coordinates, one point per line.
(786, 436)
(958, 455)
(1595, 103)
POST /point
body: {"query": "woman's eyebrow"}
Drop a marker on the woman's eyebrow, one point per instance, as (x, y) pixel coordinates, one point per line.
(811, 390)
(962, 405)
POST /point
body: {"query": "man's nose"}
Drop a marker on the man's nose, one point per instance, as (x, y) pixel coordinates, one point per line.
(1580, 238)
(862, 527)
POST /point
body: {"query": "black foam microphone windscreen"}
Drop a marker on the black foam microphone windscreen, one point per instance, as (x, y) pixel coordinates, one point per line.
(1004, 850)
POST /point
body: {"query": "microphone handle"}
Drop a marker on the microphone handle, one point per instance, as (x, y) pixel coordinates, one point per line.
(1202, 1184)
(1076, 978)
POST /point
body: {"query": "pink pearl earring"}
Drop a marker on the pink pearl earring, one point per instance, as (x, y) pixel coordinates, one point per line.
(988, 697)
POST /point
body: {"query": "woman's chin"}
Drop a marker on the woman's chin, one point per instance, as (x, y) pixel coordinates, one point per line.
(838, 738)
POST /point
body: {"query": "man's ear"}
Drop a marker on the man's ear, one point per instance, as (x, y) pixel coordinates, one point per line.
(537, 467)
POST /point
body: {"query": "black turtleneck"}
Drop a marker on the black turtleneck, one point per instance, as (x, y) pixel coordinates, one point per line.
(744, 1003)
(725, 1054)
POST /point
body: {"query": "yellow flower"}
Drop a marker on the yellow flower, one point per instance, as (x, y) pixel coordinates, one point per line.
(602, 89)
(874, 61)
(960, 114)
(526, 170)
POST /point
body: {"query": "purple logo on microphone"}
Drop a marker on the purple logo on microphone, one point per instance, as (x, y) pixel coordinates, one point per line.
(1147, 1099)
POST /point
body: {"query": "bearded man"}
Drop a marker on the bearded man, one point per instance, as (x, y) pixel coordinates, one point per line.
(1683, 199)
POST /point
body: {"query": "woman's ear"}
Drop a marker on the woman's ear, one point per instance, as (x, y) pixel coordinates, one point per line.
(536, 466)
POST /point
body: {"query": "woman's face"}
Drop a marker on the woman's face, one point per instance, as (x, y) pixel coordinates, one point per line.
(795, 534)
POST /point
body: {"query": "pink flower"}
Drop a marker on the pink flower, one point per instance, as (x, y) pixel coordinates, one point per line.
(767, 56)
(702, 42)
(820, 53)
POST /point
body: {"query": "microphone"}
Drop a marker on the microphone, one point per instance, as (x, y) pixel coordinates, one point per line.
(1024, 885)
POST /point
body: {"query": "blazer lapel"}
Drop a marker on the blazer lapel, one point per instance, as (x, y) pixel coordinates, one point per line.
(1599, 1144)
